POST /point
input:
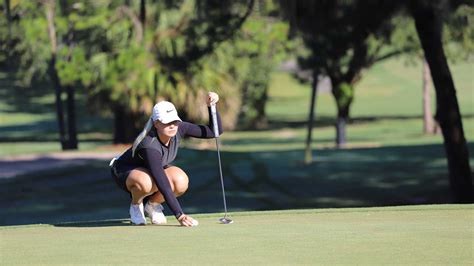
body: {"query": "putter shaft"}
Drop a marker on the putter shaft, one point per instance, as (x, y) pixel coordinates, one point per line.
(216, 134)
(222, 178)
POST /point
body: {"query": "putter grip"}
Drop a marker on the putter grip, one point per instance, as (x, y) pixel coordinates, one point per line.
(214, 120)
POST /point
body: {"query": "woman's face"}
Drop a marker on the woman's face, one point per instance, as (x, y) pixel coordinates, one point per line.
(168, 130)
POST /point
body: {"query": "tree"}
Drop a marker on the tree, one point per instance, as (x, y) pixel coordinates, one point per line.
(125, 54)
(161, 56)
(344, 38)
(428, 17)
(68, 81)
(39, 56)
(50, 8)
(8, 16)
(429, 126)
(128, 55)
(404, 37)
(458, 41)
(250, 56)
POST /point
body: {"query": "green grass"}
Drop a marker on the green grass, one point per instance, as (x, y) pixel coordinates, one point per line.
(414, 235)
(387, 111)
(394, 89)
(388, 89)
(388, 162)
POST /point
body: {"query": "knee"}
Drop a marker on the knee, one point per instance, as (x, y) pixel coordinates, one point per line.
(147, 186)
(179, 180)
(140, 182)
(142, 188)
(180, 184)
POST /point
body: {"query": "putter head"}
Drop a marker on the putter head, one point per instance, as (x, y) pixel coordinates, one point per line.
(225, 220)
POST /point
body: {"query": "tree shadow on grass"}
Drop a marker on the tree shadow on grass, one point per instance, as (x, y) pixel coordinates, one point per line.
(325, 121)
(385, 176)
(271, 141)
(22, 99)
(39, 101)
(46, 129)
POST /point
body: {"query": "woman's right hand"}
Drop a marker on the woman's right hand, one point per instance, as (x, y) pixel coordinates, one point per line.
(212, 98)
(187, 221)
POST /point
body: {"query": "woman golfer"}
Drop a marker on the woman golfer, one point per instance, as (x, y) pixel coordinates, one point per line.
(144, 169)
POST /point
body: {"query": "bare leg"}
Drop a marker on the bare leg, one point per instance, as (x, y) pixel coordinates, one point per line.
(140, 184)
(179, 183)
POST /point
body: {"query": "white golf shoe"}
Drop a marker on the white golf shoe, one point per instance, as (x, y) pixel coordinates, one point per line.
(137, 216)
(155, 212)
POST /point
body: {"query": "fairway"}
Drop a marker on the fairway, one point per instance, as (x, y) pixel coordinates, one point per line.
(424, 234)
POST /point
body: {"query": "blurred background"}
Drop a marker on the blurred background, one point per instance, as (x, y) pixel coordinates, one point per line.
(325, 104)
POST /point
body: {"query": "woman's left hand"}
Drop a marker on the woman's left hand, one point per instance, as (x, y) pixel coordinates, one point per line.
(212, 98)
(187, 221)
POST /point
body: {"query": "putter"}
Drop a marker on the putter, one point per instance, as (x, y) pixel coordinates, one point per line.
(225, 219)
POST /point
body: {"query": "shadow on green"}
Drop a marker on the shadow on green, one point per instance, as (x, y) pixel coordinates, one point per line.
(386, 176)
(105, 223)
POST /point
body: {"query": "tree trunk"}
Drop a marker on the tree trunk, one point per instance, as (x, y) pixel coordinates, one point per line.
(428, 24)
(341, 139)
(58, 101)
(126, 127)
(53, 74)
(72, 142)
(143, 13)
(71, 119)
(308, 154)
(261, 118)
(119, 126)
(342, 93)
(6, 6)
(429, 126)
(155, 85)
(341, 121)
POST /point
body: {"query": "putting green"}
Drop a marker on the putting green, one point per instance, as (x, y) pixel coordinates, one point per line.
(428, 234)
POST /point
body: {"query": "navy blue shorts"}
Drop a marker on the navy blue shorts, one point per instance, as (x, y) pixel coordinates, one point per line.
(120, 174)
